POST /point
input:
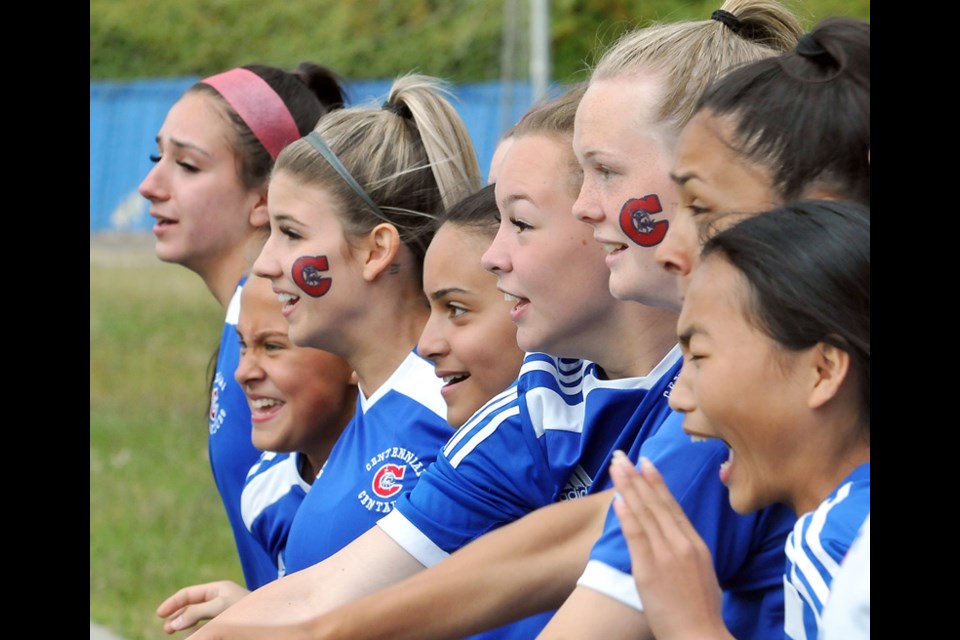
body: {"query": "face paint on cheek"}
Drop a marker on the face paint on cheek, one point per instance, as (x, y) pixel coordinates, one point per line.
(306, 274)
(635, 221)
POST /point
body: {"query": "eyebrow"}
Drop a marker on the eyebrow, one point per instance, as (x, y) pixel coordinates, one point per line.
(261, 336)
(514, 197)
(285, 217)
(687, 334)
(683, 178)
(185, 145)
(441, 293)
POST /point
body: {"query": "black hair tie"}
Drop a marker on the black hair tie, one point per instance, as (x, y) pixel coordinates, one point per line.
(808, 47)
(399, 109)
(731, 21)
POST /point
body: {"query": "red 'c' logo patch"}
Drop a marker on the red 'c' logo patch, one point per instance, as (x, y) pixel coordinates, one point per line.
(306, 273)
(636, 222)
(386, 482)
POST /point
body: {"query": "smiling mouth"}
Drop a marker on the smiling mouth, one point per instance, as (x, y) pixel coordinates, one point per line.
(613, 247)
(516, 300)
(287, 300)
(262, 408)
(455, 378)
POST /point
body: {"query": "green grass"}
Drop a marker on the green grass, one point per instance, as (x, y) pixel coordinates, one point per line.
(156, 521)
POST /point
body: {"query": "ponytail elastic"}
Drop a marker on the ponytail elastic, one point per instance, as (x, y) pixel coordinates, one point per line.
(726, 18)
(259, 106)
(808, 47)
(399, 109)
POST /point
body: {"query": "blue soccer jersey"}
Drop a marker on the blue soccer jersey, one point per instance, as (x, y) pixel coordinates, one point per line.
(747, 550)
(273, 493)
(547, 438)
(231, 449)
(815, 549)
(394, 436)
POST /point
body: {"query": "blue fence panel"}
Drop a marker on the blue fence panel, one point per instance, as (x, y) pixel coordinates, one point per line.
(126, 116)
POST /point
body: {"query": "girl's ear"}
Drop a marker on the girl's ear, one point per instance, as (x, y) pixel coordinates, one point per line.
(258, 215)
(380, 250)
(831, 366)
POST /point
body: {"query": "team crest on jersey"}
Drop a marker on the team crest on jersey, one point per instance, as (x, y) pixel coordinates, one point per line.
(391, 471)
(636, 222)
(217, 413)
(387, 480)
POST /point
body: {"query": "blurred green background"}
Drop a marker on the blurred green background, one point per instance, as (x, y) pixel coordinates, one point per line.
(156, 522)
(459, 40)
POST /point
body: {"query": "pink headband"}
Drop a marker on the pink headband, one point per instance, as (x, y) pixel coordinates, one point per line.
(259, 106)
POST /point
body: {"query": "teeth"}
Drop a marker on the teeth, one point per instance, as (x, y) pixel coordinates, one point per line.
(284, 298)
(610, 247)
(262, 403)
(510, 298)
(458, 376)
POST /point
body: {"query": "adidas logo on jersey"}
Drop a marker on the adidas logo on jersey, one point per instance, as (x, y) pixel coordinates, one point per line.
(577, 486)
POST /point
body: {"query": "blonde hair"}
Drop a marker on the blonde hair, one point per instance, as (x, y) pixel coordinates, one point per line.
(412, 156)
(691, 55)
(554, 119)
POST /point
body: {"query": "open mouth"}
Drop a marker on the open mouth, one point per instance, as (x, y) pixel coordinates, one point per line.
(519, 306)
(161, 223)
(726, 467)
(264, 409)
(287, 302)
(613, 247)
(455, 378)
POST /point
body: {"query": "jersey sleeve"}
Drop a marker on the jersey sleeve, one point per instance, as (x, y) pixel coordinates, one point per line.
(466, 492)
(271, 496)
(815, 550)
(747, 550)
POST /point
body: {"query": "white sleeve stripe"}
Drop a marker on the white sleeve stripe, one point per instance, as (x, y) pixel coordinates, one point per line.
(482, 434)
(804, 565)
(270, 486)
(411, 539)
(233, 309)
(611, 582)
(498, 401)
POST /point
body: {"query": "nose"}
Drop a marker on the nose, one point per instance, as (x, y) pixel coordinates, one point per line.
(681, 396)
(676, 252)
(495, 258)
(585, 208)
(248, 369)
(267, 265)
(152, 187)
(433, 343)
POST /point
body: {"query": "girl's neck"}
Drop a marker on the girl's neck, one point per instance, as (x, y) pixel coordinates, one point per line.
(635, 339)
(223, 273)
(385, 341)
(824, 476)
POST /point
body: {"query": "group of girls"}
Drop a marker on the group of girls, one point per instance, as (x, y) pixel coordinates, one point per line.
(478, 444)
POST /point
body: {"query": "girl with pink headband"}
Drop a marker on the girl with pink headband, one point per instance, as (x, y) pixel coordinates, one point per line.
(208, 194)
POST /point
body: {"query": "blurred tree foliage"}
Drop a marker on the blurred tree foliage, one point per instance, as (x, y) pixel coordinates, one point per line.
(459, 40)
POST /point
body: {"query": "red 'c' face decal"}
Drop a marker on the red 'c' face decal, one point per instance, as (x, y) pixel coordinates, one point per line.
(386, 482)
(306, 273)
(636, 222)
